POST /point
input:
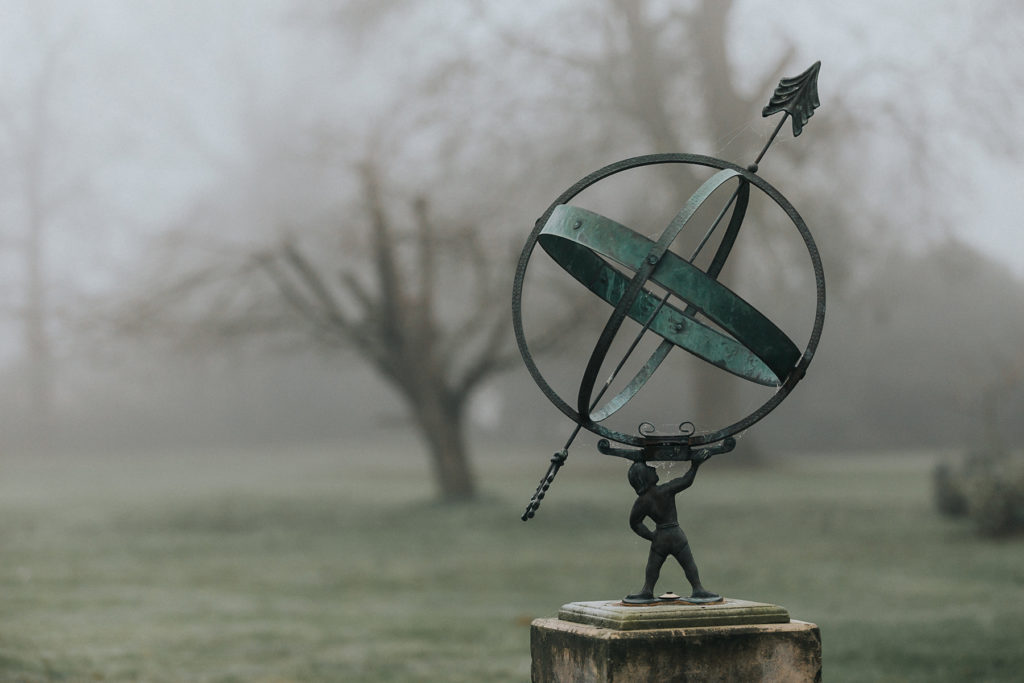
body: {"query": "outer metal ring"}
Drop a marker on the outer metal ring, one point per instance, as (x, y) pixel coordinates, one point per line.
(677, 158)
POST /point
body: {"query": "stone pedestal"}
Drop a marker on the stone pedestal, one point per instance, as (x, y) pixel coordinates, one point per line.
(734, 640)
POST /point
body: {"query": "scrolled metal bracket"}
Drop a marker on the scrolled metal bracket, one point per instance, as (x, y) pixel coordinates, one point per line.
(672, 450)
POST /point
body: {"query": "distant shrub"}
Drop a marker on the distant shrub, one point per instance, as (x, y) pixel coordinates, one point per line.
(988, 487)
(949, 491)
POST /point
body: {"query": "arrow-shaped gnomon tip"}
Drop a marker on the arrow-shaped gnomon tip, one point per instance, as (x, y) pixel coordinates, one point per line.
(797, 96)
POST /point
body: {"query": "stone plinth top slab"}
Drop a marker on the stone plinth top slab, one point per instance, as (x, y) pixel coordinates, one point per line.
(613, 614)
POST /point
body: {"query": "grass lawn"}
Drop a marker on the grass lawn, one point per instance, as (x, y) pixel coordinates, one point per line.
(332, 564)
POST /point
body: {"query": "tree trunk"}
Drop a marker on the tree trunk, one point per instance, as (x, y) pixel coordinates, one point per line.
(37, 338)
(440, 422)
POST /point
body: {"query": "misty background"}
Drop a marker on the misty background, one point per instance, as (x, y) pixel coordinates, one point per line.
(169, 168)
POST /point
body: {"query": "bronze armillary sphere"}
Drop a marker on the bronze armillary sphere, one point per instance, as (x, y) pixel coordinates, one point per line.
(737, 338)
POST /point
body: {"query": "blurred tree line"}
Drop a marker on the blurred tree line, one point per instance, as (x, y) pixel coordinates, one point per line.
(375, 215)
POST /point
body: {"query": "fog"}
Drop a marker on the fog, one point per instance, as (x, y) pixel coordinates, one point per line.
(153, 153)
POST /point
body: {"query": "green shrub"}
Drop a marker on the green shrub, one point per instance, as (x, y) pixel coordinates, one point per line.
(986, 486)
(949, 491)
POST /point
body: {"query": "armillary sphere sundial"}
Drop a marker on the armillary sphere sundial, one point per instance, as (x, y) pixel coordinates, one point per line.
(696, 313)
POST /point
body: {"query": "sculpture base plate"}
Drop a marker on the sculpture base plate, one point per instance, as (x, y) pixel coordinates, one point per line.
(620, 616)
(670, 598)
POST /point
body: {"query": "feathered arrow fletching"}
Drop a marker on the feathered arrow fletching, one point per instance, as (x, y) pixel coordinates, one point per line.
(798, 96)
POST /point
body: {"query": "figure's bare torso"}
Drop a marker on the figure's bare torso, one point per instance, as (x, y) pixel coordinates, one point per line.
(659, 504)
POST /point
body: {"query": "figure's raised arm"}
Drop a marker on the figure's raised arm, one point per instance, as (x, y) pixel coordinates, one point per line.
(681, 483)
(696, 460)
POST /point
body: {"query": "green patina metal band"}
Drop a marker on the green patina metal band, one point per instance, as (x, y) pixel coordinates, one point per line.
(759, 351)
(636, 283)
(669, 323)
(740, 197)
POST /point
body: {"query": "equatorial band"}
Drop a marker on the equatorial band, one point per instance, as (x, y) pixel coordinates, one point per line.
(757, 350)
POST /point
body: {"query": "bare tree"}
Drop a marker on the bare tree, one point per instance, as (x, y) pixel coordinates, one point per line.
(394, 322)
(417, 295)
(43, 191)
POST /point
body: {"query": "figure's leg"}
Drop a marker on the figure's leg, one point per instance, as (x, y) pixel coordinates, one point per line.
(685, 558)
(653, 571)
(654, 562)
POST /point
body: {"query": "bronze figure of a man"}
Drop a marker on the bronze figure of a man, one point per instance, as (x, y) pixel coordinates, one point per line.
(658, 502)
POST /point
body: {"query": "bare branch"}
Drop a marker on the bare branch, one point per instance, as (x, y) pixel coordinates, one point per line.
(426, 245)
(489, 361)
(558, 335)
(358, 291)
(535, 49)
(484, 284)
(311, 278)
(327, 321)
(390, 306)
(290, 293)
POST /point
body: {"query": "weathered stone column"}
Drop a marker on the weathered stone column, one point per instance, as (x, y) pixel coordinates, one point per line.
(734, 640)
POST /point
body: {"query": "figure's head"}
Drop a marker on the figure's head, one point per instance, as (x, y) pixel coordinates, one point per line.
(641, 476)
